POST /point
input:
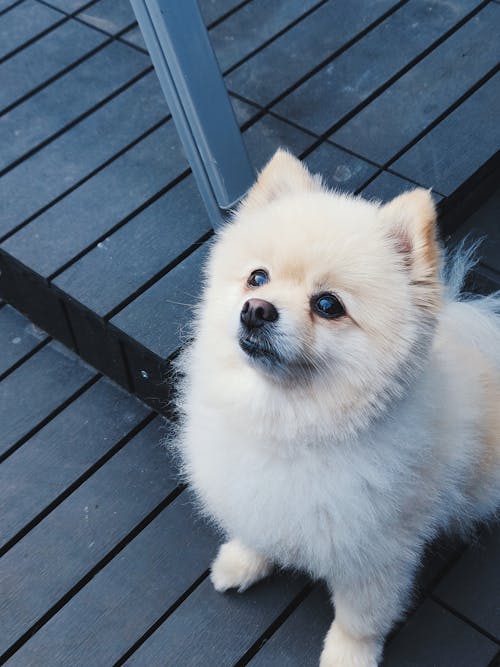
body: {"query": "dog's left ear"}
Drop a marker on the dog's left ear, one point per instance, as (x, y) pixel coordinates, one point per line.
(283, 174)
(411, 223)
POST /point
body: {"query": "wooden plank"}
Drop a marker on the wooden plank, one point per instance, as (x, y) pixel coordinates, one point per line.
(387, 185)
(78, 152)
(433, 636)
(62, 451)
(108, 15)
(212, 10)
(398, 115)
(31, 295)
(273, 70)
(24, 22)
(56, 105)
(120, 602)
(68, 6)
(485, 224)
(76, 221)
(339, 169)
(135, 253)
(35, 389)
(159, 318)
(223, 35)
(6, 4)
(18, 337)
(450, 154)
(298, 642)
(214, 629)
(341, 86)
(251, 26)
(134, 36)
(43, 59)
(64, 546)
(243, 110)
(472, 587)
(268, 134)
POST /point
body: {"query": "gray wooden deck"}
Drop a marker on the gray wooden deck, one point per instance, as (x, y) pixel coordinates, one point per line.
(102, 233)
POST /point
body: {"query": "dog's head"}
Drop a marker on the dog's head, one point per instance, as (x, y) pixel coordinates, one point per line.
(306, 285)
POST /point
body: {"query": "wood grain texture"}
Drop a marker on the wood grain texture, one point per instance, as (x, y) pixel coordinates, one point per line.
(120, 603)
(62, 451)
(35, 389)
(44, 58)
(342, 85)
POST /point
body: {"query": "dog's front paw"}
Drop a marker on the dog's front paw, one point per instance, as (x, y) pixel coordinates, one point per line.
(342, 650)
(236, 566)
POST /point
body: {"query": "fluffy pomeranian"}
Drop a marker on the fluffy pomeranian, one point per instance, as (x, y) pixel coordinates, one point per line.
(339, 407)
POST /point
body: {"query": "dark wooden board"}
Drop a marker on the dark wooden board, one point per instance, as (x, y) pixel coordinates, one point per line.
(52, 108)
(75, 222)
(450, 153)
(386, 186)
(485, 280)
(296, 53)
(473, 585)
(298, 642)
(404, 110)
(108, 15)
(150, 374)
(68, 6)
(31, 295)
(35, 389)
(121, 602)
(159, 319)
(485, 225)
(134, 36)
(45, 564)
(264, 137)
(18, 337)
(24, 22)
(76, 153)
(251, 26)
(438, 557)
(43, 59)
(337, 89)
(62, 451)
(95, 344)
(211, 629)
(6, 4)
(340, 170)
(433, 636)
(212, 10)
(135, 253)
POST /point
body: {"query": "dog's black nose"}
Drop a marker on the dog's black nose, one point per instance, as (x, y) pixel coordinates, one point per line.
(256, 312)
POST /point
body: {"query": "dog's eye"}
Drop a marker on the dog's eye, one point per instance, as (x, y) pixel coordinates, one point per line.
(328, 305)
(258, 278)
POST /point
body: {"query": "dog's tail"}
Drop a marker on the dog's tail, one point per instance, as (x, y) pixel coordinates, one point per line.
(479, 316)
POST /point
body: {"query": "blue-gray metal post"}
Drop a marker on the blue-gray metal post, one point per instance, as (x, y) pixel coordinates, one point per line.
(192, 83)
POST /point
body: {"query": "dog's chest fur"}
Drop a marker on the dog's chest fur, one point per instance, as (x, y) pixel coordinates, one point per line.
(312, 509)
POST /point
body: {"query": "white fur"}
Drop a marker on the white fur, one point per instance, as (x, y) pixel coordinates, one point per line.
(348, 472)
(237, 566)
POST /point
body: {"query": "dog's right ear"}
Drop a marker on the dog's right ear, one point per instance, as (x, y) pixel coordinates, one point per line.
(283, 174)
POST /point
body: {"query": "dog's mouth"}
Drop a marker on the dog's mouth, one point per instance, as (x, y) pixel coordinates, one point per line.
(257, 349)
(272, 362)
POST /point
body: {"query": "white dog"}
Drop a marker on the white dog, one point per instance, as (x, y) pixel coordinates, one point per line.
(339, 408)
